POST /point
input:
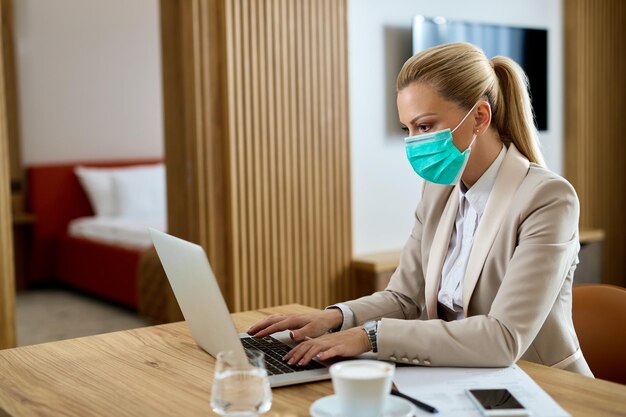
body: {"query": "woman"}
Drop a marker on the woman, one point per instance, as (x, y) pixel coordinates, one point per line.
(491, 258)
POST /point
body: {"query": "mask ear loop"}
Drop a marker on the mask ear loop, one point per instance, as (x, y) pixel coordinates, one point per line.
(468, 113)
(474, 136)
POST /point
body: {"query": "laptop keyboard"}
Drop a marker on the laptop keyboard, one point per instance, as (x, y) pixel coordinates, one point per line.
(274, 351)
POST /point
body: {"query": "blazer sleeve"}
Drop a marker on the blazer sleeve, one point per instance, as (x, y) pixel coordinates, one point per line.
(547, 247)
(404, 296)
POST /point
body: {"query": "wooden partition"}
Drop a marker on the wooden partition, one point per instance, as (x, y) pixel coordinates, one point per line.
(194, 99)
(10, 97)
(595, 121)
(257, 144)
(7, 273)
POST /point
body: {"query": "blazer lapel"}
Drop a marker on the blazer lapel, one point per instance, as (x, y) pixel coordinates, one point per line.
(512, 172)
(438, 251)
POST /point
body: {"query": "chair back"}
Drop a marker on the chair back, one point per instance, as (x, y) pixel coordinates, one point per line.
(599, 314)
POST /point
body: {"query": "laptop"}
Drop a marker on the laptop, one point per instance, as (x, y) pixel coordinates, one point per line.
(203, 306)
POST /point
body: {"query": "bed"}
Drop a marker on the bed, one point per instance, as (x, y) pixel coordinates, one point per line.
(71, 256)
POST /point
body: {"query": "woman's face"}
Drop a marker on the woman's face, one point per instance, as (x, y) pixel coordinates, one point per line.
(421, 110)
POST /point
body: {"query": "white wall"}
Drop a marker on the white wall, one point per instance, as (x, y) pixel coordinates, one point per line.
(89, 79)
(385, 190)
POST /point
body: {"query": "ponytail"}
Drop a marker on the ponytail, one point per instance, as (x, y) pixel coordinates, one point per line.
(461, 73)
(512, 111)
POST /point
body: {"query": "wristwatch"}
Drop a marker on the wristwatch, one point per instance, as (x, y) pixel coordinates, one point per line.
(371, 329)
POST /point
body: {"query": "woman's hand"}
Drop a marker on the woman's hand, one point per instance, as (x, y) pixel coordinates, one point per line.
(302, 325)
(349, 342)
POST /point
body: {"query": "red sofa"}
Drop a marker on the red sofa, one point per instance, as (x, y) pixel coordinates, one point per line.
(56, 197)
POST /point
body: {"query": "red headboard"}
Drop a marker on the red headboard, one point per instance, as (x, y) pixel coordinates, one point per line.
(56, 197)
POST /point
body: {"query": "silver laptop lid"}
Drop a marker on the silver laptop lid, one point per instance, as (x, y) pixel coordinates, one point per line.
(198, 294)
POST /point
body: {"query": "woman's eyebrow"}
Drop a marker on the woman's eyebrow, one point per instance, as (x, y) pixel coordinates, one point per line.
(421, 115)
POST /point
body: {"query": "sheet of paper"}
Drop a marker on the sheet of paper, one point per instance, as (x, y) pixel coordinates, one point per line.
(444, 388)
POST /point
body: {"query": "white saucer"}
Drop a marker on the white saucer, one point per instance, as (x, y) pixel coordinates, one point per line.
(394, 407)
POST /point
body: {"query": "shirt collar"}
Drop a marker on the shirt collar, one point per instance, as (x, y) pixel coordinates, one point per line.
(478, 194)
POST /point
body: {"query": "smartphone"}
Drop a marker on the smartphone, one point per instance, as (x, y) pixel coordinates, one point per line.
(497, 403)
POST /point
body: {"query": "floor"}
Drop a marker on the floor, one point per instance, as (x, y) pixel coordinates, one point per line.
(56, 314)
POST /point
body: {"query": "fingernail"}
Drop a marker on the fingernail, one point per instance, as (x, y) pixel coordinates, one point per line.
(291, 335)
(300, 363)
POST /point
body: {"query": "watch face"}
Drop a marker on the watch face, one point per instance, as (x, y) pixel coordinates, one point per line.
(370, 325)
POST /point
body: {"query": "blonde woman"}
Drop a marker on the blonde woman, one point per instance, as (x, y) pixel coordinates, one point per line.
(485, 277)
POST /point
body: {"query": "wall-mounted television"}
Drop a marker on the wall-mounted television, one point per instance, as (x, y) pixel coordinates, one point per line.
(527, 46)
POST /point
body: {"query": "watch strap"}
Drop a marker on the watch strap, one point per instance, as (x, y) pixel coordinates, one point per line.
(371, 329)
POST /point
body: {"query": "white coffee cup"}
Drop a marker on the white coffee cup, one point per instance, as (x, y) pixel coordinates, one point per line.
(362, 386)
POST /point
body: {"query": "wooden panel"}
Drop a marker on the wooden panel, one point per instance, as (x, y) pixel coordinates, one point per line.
(289, 160)
(195, 126)
(595, 104)
(10, 91)
(7, 273)
(257, 144)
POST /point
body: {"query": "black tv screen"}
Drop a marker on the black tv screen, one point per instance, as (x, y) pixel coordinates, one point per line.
(528, 47)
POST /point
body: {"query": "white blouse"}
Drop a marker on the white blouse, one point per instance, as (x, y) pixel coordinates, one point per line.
(472, 204)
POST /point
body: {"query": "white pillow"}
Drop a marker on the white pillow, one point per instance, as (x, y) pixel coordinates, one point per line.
(140, 192)
(98, 185)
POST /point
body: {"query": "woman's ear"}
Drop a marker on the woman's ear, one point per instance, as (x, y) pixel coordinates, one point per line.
(482, 120)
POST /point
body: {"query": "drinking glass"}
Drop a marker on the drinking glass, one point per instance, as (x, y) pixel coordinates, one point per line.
(240, 386)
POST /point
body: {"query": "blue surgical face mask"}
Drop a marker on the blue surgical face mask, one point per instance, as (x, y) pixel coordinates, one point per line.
(434, 157)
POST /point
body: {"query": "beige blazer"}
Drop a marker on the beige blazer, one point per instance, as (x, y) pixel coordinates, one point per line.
(517, 295)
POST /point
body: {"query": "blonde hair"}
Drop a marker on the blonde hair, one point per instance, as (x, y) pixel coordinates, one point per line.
(461, 73)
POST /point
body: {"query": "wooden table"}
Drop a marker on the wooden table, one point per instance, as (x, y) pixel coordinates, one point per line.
(159, 371)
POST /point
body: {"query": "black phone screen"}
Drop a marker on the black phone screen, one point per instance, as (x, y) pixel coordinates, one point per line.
(496, 399)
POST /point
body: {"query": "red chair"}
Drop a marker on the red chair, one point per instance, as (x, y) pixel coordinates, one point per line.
(599, 313)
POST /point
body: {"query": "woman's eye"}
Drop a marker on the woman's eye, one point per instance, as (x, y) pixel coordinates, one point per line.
(405, 129)
(423, 128)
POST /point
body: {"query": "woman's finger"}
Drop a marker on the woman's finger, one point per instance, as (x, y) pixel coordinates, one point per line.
(305, 332)
(312, 352)
(284, 324)
(329, 353)
(294, 356)
(314, 347)
(264, 323)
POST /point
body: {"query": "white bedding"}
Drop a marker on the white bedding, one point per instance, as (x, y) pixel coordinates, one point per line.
(134, 191)
(128, 233)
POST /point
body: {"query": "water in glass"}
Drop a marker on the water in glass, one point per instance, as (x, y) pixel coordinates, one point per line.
(240, 387)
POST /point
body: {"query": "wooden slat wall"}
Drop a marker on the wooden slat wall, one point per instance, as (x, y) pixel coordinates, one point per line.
(595, 121)
(10, 92)
(7, 273)
(193, 55)
(257, 144)
(289, 155)
(595, 97)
